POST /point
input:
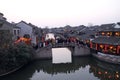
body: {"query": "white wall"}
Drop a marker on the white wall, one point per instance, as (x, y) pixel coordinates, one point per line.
(25, 29)
(49, 36)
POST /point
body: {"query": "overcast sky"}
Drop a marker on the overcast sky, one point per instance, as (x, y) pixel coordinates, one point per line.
(56, 13)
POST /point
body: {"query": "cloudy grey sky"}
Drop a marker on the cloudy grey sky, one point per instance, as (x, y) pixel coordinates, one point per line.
(55, 13)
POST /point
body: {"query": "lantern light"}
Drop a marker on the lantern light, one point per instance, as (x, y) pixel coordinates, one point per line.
(103, 33)
(111, 47)
(106, 72)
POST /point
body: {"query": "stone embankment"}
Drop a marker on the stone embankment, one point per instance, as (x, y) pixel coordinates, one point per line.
(46, 52)
(81, 51)
(43, 53)
(107, 58)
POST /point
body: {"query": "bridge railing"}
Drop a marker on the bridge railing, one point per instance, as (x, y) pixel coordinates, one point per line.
(64, 45)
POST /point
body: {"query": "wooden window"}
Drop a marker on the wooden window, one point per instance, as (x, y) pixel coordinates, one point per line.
(101, 47)
(14, 32)
(112, 49)
(18, 32)
(117, 33)
(1, 24)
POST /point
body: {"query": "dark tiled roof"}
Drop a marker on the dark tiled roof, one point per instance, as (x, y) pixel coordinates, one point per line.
(1, 14)
(112, 30)
(107, 40)
(10, 24)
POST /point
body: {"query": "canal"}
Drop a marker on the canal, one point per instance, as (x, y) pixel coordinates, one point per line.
(80, 68)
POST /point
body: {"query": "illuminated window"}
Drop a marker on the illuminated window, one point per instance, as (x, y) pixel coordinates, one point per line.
(112, 49)
(103, 33)
(117, 33)
(108, 33)
(101, 47)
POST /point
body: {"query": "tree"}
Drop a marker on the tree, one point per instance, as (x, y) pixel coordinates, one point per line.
(5, 38)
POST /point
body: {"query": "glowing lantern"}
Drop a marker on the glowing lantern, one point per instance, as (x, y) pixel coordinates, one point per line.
(111, 47)
(108, 33)
(26, 40)
(116, 34)
(103, 33)
(101, 46)
(117, 76)
(106, 72)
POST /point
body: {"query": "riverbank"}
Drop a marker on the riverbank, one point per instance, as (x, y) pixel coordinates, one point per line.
(14, 57)
(46, 53)
(107, 58)
(9, 72)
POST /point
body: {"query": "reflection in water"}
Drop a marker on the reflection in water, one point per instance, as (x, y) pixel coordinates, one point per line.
(105, 71)
(81, 68)
(61, 55)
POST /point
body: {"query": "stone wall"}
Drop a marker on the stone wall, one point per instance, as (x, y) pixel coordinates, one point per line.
(43, 53)
(46, 53)
(81, 51)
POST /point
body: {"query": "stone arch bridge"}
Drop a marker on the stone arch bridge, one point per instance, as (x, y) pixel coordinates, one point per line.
(76, 50)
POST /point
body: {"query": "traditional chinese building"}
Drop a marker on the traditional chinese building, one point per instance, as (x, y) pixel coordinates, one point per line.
(107, 42)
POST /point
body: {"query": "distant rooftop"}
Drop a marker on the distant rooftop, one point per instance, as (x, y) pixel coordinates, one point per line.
(1, 14)
(117, 26)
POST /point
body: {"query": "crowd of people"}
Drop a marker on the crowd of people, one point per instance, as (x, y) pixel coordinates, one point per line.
(50, 42)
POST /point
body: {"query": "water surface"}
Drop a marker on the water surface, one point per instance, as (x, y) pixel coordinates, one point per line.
(80, 68)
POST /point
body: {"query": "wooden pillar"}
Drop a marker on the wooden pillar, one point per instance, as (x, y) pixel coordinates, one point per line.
(96, 46)
(105, 50)
(118, 47)
(90, 44)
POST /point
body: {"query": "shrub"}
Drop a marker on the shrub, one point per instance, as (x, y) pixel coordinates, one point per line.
(15, 56)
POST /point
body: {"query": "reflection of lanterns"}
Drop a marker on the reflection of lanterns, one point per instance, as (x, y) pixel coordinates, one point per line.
(117, 72)
(117, 76)
(106, 72)
(109, 76)
(99, 73)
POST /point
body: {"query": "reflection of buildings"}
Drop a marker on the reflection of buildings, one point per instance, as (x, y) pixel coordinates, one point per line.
(77, 63)
(105, 71)
(101, 70)
(46, 66)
